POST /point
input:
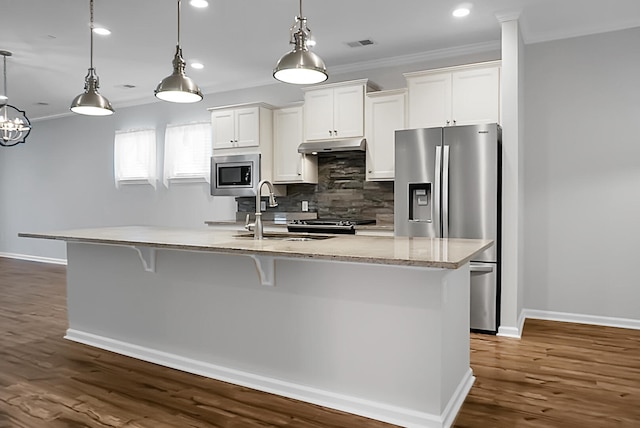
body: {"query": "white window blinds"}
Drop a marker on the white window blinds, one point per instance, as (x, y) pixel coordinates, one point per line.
(187, 152)
(135, 157)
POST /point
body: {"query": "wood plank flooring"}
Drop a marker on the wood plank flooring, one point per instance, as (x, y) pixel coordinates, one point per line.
(557, 375)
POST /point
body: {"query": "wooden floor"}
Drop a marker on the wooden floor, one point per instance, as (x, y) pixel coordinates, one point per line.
(557, 375)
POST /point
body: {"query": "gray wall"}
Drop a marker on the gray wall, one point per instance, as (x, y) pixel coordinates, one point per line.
(62, 177)
(582, 175)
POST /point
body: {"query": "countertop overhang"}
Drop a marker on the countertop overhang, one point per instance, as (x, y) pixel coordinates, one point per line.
(402, 251)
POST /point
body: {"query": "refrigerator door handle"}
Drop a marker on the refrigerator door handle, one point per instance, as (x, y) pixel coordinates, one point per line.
(445, 192)
(437, 190)
(481, 268)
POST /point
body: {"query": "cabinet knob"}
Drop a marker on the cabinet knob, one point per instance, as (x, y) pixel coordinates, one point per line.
(330, 132)
(448, 122)
(454, 122)
(370, 171)
(335, 132)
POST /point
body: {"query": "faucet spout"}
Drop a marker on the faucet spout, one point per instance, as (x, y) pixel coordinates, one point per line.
(272, 203)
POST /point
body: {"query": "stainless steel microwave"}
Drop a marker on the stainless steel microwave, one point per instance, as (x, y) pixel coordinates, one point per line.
(235, 175)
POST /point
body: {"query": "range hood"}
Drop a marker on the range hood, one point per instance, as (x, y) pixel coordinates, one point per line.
(327, 146)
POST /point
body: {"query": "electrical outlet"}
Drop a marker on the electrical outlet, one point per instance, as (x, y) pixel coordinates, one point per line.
(263, 205)
(305, 206)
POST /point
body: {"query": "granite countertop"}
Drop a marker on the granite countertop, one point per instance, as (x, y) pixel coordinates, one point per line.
(424, 252)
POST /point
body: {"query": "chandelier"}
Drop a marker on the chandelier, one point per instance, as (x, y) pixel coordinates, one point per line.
(14, 124)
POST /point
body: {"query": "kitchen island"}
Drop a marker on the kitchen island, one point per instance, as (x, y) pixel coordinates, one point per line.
(376, 326)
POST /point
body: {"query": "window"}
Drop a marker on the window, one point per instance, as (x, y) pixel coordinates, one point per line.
(187, 152)
(134, 157)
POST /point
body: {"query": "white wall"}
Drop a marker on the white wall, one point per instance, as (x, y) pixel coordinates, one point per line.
(582, 176)
(62, 177)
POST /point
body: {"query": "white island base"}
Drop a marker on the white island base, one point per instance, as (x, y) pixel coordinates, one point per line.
(389, 342)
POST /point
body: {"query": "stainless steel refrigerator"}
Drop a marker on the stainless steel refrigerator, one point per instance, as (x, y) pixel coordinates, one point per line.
(447, 184)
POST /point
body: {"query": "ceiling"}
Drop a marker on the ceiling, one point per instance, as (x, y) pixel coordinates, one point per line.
(239, 41)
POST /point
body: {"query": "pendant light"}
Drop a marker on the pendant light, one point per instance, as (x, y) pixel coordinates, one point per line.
(300, 66)
(14, 124)
(178, 88)
(91, 103)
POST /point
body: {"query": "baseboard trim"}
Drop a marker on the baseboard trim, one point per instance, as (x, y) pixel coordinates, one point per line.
(513, 332)
(582, 319)
(38, 259)
(379, 411)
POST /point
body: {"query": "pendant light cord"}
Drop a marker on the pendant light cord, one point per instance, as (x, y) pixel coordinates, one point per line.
(91, 31)
(5, 80)
(179, 1)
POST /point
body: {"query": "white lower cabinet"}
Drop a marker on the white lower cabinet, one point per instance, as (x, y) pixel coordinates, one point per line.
(385, 112)
(289, 166)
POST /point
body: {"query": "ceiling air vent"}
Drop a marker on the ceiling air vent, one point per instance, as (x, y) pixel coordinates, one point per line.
(359, 43)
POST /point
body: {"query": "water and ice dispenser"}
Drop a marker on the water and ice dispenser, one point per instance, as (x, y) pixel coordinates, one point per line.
(420, 202)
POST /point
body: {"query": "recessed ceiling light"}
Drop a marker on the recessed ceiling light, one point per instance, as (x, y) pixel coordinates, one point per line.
(461, 12)
(199, 3)
(197, 65)
(101, 31)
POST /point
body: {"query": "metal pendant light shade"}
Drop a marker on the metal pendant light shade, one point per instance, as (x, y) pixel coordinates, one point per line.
(178, 88)
(300, 66)
(91, 103)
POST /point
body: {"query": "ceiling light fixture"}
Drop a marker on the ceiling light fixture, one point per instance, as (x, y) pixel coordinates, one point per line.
(178, 88)
(91, 103)
(300, 66)
(102, 31)
(199, 3)
(14, 124)
(461, 12)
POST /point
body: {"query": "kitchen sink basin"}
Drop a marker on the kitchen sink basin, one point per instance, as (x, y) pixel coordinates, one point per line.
(284, 236)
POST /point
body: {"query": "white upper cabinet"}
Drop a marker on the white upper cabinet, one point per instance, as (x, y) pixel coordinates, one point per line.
(429, 100)
(289, 166)
(385, 112)
(464, 95)
(334, 111)
(476, 96)
(237, 127)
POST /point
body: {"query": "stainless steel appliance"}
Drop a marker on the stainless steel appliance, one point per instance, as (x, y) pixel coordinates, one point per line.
(235, 175)
(447, 184)
(341, 226)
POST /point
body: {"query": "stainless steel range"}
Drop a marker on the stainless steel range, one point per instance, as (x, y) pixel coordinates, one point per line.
(343, 226)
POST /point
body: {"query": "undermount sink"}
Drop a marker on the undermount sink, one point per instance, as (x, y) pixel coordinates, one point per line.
(284, 236)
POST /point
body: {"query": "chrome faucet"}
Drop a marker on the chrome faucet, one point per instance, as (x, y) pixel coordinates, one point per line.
(257, 226)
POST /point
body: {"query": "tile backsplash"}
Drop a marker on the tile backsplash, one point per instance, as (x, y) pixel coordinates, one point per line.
(341, 192)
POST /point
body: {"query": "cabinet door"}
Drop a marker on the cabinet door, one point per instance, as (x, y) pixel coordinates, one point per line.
(318, 114)
(223, 129)
(430, 100)
(348, 113)
(476, 96)
(247, 127)
(384, 115)
(287, 137)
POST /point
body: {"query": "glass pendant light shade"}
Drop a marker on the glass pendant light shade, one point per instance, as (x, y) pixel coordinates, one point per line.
(300, 66)
(178, 88)
(91, 103)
